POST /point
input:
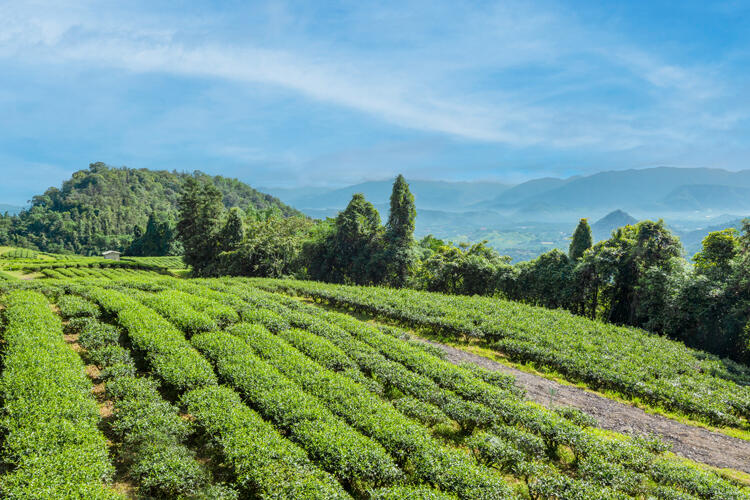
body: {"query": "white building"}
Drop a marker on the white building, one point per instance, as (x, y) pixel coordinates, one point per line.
(111, 254)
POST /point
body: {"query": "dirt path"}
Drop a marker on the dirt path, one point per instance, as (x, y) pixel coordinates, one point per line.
(691, 442)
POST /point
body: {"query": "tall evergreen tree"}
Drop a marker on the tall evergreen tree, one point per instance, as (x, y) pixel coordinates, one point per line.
(400, 227)
(233, 232)
(200, 211)
(582, 240)
(400, 233)
(356, 240)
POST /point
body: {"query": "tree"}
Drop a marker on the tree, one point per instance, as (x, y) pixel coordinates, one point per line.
(545, 281)
(719, 249)
(233, 232)
(200, 211)
(343, 250)
(399, 236)
(159, 238)
(627, 268)
(272, 248)
(357, 239)
(581, 241)
(98, 208)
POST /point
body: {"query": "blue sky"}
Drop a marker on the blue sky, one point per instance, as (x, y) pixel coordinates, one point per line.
(332, 93)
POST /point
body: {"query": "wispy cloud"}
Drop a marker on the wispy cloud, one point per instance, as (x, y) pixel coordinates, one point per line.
(498, 83)
(435, 100)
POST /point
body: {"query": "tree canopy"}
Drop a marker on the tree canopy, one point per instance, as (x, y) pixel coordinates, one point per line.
(98, 208)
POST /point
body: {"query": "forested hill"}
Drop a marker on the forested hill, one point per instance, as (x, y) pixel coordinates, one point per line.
(103, 208)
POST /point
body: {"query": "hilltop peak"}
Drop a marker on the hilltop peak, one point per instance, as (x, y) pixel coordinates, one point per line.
(604, 226)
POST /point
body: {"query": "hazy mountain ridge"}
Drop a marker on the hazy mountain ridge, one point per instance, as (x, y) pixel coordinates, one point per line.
(709, 196)
(651, 190)
(531, 217)
(438, 195)
(661, 189)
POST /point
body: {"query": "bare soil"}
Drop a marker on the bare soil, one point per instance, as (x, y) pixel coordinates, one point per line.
(695, 443)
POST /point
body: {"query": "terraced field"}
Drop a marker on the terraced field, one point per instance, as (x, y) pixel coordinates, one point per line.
(224, 389)
(633, 363)
(21, 263)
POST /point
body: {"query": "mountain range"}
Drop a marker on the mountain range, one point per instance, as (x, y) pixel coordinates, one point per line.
(529, 218)
(649, 192)
(429, 195)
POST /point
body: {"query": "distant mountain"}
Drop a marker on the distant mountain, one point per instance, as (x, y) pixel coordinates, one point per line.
(100, 208)
(650, 192)
(437, 195)
(602, 229)
(292, 196)
(708, 197)
(692, 241)
(655, 190)
(9, 209)
(524, 191)
(687, 198)
(639, 188)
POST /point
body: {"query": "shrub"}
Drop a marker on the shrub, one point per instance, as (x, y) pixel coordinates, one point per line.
(49, 417)
(73, 306)
(265, 463)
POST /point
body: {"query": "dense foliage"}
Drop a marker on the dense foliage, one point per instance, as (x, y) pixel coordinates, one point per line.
(352, 248)
(104, 208)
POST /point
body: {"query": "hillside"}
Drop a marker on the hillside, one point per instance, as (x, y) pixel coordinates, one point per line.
(289, 399)
(708, 197)
(99, 208)
(523, 191)
(656, 189)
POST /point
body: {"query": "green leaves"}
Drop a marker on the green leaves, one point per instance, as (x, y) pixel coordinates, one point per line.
(602, 355)
(50, 420)
(265, 462)
(168, 352)
(334, 445)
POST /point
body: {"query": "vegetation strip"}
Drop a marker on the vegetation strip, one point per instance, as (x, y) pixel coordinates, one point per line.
(164, 346)
(628, 464)
(49, 415)
(430, 461)
(341, 450)
(265, 463)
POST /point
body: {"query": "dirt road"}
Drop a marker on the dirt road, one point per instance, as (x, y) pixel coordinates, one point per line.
(691, 442)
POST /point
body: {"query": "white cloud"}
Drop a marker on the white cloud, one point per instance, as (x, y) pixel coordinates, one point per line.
(454, 86)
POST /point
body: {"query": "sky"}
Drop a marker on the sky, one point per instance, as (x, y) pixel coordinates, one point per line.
(324, 93)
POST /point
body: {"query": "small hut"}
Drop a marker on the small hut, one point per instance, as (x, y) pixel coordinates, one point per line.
(111, 254)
